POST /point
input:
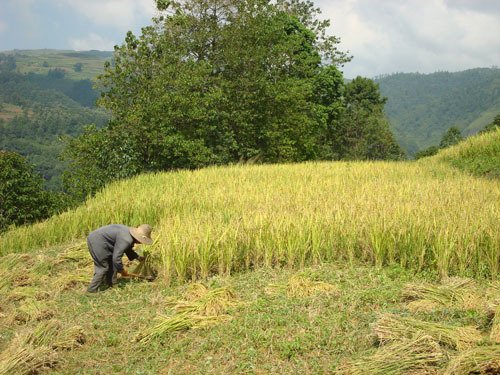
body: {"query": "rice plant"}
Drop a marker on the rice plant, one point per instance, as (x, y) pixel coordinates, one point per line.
(221, 220)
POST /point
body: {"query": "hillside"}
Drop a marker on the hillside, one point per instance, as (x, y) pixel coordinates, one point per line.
(340, 268)
(421, 107)
(41, 61)
(42, 98)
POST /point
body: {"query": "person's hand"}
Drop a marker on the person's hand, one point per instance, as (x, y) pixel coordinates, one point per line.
(141, 258)
(124, 272)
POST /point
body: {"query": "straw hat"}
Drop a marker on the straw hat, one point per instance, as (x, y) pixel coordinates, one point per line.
(142, 233)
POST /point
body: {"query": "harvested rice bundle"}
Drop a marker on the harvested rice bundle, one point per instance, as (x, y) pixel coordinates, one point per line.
(195, 291)
(178, 322)
(419, 354)
(422, 305)
(391, 327)
(31, 309)
(52, 334)
(478, 360)
(71, 280)
(145, 267)
(30, 351)
(76, 253)
(493, 295)
(301, 286)
(456, 292)
(495, 327)
(22, 358)
(11, 261)
(211, 302)
(24, 292)
(69, 338)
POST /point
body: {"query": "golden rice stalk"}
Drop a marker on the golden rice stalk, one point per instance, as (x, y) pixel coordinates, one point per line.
(24, 292)
(478, 360)
(419, 354)
(11, 261)
(422, 305)
(211, 302)
(454, 292)
(69, 338)
(44, 333)
(302, 286)
(52, 334)
(30, 351)
(391, 328)
(76, 253)
(31, 309)
(195, 291)
(495, 327)
(146, 268)
(493, 295)
(179, 322)
(19, 358)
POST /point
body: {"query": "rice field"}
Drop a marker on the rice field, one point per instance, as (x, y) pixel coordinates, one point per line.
(420, 215)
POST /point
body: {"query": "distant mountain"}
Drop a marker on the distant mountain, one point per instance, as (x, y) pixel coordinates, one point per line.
(46, 94)
(421, 107)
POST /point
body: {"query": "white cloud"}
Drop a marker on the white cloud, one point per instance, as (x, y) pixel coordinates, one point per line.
(3, 26)
(91, 41)
(121, 14)
(414, 35)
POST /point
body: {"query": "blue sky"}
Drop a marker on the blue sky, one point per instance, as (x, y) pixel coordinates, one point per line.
(385, 36)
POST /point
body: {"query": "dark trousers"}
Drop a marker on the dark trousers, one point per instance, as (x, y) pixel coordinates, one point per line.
(104, 272)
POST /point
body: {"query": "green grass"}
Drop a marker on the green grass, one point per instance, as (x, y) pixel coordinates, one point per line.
(479, 155)
(268, 332)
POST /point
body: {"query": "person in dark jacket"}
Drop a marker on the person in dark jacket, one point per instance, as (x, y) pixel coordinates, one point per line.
(108, 244)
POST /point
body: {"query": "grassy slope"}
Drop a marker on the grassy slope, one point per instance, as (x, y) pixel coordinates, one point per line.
(477, 155)
(33, 61)
(267, 333)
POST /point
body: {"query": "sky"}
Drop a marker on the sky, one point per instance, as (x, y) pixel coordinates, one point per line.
(383, 36)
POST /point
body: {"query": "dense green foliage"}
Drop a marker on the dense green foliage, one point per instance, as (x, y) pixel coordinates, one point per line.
(22, 197)
(421, 107)
(451, 137)
(216, 83)
(35, 110)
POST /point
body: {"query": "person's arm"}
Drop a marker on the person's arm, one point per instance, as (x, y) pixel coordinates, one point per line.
(131, 254)
(122, 245)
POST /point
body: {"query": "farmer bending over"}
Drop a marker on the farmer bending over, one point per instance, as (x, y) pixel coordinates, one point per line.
(107, 246)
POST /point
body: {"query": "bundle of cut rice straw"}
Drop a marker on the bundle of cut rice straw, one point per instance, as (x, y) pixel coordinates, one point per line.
(201, 308)
(408, 355)
(302, 286)
(145, 267)
(34, 350)
(178, 322)
(495, 327)
(478, 360)
(453, 292)
(391, 327)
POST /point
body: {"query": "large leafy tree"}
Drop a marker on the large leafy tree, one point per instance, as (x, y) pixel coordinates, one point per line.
(22, 198)
(212, 82)
(363, 130)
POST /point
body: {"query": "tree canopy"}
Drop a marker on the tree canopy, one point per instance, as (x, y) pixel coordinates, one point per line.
(222, 81)
(22, 198)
